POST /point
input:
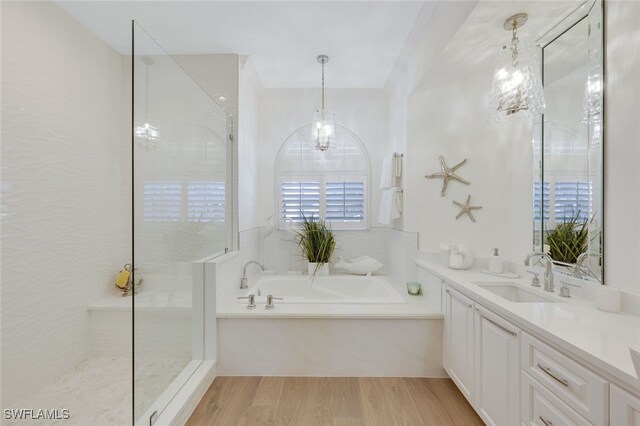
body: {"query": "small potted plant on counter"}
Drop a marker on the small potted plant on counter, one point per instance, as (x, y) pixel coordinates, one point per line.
(317, 242)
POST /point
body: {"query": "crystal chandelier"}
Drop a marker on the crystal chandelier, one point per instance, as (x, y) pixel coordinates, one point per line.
(517, 86)
(147, 134)
(324, 132)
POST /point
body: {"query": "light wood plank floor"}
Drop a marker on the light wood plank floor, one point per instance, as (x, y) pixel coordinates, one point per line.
(332, 401)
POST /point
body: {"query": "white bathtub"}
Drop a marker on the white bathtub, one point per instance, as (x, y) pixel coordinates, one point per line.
(336, 289)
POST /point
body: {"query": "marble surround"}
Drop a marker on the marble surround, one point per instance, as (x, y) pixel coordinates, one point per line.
(330, 347)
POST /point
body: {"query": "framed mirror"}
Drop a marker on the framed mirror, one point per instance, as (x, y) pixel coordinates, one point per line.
(568, 146)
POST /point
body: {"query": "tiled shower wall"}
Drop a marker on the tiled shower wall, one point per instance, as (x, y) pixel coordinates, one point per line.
(65, 190)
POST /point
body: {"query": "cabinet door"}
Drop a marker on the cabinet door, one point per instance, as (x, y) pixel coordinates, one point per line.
(624, 408)
(497, 369)
(459, 331)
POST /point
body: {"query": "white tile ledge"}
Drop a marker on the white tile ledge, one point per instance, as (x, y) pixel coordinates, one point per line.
(575, 327)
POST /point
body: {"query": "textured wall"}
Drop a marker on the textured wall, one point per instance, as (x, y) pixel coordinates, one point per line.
(65, 189)
(452, 121)
(622, 147)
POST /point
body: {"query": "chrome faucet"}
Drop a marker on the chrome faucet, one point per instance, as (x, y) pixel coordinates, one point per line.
(244, 280)
(548, 272)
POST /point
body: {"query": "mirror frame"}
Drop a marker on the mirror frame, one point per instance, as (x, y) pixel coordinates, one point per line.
(596, 64)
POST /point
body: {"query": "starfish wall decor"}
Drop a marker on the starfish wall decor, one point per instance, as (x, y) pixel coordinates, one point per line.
(447, 174)
(466, 209)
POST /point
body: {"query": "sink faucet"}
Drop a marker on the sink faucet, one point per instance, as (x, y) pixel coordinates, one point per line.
(548, 272)
(244, 280)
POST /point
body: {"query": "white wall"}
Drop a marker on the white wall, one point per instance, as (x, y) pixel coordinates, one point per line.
(249, 91)
(622, 146)
(65, 189)
(449, 118)
(452, 121)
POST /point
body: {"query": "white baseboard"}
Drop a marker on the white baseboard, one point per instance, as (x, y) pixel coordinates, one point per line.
(182, 405)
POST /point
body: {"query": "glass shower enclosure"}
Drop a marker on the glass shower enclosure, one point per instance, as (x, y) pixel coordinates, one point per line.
(181, 208)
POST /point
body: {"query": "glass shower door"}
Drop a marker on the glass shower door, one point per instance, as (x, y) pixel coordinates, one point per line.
(180, 204)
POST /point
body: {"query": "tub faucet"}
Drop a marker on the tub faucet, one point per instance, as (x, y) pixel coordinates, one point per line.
(244, 280)
(548, 272)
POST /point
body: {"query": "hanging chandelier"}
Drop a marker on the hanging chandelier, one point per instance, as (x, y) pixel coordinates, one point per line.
(323, 129)
(517, 86)
(147, 134)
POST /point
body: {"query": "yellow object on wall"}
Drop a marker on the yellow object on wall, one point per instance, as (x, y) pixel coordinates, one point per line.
(123, 278)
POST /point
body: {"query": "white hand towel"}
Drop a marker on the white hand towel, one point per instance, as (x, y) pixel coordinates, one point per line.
(396, 207)
(390, 205)
(386, 174)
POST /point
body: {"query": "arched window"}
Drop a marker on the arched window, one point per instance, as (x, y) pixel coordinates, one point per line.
(331, 185)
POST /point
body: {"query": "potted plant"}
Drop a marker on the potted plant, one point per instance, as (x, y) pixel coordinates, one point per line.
(569, 240)
(317, 243)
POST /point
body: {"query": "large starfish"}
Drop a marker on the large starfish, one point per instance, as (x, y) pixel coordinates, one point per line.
(466, 209)
(448, 174)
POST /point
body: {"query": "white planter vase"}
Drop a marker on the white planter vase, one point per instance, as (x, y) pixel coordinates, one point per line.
(321, 269)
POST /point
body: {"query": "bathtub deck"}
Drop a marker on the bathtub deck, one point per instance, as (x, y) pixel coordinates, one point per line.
(332, 401)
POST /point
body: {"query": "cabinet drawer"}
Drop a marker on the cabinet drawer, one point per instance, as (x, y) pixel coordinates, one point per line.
(580, 388)
(624, 408)
(542, 408)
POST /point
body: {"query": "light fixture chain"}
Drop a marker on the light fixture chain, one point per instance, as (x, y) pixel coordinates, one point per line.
(514, 46)
(322, 85)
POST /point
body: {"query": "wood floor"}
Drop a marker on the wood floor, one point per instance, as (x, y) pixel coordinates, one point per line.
(332, 401)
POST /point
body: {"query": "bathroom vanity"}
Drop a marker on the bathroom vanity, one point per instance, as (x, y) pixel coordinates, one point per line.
(524, 356)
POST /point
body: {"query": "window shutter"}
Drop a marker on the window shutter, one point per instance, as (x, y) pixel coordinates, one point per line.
(299, 200)
(538, 206)
(345, 202)
(572, 198)
(162, 201)
(206, 201)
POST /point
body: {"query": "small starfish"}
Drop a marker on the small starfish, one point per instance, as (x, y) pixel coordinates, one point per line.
(466, 209)
(448, 174)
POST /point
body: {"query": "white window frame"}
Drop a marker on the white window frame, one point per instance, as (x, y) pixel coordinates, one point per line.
(323, 178)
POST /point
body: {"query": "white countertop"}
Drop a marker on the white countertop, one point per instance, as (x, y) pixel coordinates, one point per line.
(417, 307)
(600, 338)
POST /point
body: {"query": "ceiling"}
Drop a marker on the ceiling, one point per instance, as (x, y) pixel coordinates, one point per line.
(475, 45)
(363, 39)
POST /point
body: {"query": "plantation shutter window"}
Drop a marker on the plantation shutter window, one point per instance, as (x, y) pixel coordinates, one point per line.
(571, 199)
(345, 202)
(162, 201)
(329, 185)
(540, 201)
(300, 200)
(206, 201)
(176, 201)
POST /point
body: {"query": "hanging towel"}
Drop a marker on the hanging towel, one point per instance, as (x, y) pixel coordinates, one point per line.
(390, 205)
(386, 174)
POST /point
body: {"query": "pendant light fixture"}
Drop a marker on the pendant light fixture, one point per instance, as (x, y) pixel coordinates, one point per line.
(517, 86)
(146, 132)
(324, 133)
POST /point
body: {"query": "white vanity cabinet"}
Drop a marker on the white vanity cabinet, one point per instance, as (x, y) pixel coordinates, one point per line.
(497, 368)
(624, 407)
(458, 341)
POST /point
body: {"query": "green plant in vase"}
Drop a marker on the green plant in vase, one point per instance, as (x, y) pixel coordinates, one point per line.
(569, 240)
(317, 243)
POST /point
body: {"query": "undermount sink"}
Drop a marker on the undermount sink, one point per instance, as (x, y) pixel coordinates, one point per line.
(514, 293)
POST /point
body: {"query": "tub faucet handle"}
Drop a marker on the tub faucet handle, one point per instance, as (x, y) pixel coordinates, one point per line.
(270, 300)
(252, 300)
